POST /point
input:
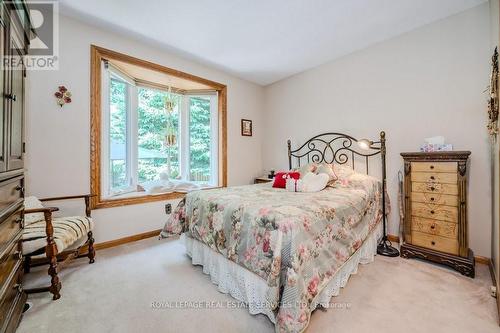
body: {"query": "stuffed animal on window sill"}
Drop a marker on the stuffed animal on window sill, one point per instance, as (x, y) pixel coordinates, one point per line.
(309, 183)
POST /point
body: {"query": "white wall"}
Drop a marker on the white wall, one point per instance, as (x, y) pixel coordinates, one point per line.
(58, 139)
(424, 83)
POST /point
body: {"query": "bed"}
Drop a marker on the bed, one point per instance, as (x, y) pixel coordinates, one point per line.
(285, 253)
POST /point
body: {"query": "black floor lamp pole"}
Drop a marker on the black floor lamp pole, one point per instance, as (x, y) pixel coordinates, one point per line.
(385, 247)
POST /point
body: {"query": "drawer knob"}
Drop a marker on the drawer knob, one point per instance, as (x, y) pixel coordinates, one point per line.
(433, 226)
(20, 189)
(12, 97)
(432, 212)
(432, 167)
(432, 198)
(432, 188)
(433, 243)
(432, 177)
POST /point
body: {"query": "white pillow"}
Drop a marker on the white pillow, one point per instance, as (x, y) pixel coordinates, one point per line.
(327, 169)
(342, 171)
(303, 170)
(32, 203)
(314, 183)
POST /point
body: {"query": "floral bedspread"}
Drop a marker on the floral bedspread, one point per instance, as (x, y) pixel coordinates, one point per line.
(295, 241)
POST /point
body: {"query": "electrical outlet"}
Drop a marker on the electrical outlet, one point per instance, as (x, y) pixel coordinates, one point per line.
(168, 208)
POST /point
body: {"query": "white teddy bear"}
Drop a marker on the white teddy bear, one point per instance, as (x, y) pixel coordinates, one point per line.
(309, 183)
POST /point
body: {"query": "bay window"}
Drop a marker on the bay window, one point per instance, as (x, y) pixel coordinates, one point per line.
(155, 138)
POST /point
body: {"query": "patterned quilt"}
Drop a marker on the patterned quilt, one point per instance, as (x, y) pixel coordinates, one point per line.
(295, 241)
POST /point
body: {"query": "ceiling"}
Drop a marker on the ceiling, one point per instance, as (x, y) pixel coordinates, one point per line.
(263, 41)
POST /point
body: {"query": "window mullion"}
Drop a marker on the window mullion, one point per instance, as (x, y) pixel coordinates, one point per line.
(133, 136)
(214, 140)
(184, 144)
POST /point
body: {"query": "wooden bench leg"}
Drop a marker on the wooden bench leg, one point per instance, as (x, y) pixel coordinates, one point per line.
(55, 284)
(51, 253)
(27, 264)
(91, 254)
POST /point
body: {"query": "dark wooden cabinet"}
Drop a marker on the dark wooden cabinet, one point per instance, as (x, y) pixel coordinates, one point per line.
(14, 32)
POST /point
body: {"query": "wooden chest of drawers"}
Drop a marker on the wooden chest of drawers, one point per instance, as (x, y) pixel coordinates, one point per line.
(12, 297)
(435, 222)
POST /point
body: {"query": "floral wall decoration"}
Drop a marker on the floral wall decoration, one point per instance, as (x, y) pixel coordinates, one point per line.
(493, 98)
(63, 96)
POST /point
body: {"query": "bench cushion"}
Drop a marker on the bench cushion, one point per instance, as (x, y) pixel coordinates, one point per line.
(32, 203)
(67, 231)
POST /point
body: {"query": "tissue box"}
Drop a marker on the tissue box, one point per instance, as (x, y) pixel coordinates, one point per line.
(436, 147)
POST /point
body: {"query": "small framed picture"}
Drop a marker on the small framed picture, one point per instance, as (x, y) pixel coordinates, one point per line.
(246, 127)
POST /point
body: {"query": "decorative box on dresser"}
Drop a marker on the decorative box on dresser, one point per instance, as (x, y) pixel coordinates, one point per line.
(14, 40)
(435, 200)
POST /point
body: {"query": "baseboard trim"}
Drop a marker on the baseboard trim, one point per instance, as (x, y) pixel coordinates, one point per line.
(479, 259)
(492, 272)
(393, 238)
(125, 240)
(482, 260)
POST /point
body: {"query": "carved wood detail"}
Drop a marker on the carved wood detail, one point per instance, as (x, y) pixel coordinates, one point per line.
(462, 168)
(407, 167)
(447, 156)
(464, 266)
(91, 250)
(51, 252)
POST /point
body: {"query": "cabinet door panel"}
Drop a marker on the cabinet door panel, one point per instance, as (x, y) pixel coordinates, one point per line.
(3, 100)
(16, 114)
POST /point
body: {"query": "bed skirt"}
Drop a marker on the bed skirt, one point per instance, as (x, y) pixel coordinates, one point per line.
(249, 288)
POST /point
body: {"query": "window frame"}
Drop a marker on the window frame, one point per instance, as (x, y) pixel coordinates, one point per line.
(98, 54)
(130, 120)
(213, 128)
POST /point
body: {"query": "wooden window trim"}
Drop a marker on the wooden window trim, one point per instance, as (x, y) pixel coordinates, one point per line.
(97, 54)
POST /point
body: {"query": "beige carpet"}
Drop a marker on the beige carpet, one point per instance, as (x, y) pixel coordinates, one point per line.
(389, 295)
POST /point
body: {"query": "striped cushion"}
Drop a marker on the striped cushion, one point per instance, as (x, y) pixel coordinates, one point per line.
(67, 230)
(32, 203)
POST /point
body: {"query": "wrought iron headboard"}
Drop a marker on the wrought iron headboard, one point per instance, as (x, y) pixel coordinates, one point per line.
(341, 148)
(336, 148)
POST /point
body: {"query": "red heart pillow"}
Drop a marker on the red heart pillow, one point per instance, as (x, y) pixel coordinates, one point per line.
(280, 178)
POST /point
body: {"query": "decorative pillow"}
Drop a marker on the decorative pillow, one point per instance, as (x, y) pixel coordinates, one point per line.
(281, 177)
(327, 169)
(314, 183)
(310, 167)
(342, 171)
(32, 203)
(293, 185)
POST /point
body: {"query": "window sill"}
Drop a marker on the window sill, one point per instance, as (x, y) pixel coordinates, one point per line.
(131, 199)
(134, 198)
